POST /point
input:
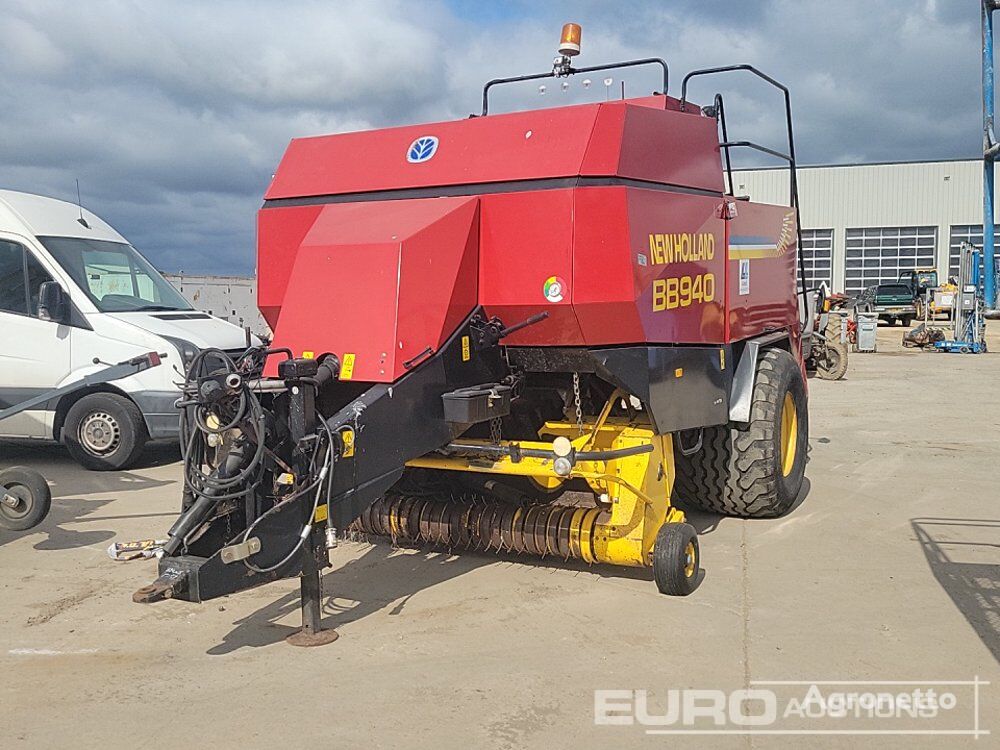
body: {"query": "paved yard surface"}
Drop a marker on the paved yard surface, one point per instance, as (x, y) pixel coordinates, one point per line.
(889, 569)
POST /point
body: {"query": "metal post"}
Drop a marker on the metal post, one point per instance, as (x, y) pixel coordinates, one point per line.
(302, 422)
(989, 153)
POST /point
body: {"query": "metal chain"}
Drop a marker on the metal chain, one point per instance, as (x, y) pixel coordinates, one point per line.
(576, 401)
(495, 425)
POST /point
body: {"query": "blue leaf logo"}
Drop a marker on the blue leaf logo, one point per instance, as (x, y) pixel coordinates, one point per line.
(422, 149)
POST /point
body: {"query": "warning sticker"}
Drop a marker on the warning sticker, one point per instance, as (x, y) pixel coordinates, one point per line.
(347, 438)
(347, 368)
(744, 276)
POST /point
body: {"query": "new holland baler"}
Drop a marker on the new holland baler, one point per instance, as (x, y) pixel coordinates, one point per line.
(518, 333)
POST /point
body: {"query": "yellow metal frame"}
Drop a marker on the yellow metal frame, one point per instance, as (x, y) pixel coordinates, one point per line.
(634, 492)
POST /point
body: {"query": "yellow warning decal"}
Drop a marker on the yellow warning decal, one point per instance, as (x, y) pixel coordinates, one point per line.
(308, 355)
(722, 358)
(320, 514)
(347, 368)
(347, 437)
(466, 349)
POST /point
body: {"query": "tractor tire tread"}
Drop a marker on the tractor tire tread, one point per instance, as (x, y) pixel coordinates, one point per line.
(734, 474)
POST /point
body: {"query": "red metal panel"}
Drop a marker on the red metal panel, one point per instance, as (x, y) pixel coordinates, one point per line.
(380, 280)
(680, 295)
(627, 292)
(598, 241)
(279, 233)
(637, 140)
(611, 265)
(762, 239)
(606, 275)
(526, 240)
(516, 146)
(605, 147)
(676, 148)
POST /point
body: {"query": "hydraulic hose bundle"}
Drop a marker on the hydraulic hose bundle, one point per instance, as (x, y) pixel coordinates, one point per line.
(224, 434)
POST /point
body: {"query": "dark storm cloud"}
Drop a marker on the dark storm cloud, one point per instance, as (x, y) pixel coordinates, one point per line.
(173, 115)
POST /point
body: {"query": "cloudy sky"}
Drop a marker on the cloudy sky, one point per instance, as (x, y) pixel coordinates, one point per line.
(173, 113)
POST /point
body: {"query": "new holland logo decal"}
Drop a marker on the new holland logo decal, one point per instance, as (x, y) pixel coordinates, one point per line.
(422, 149)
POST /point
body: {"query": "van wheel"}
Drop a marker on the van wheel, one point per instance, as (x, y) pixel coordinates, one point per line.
(104, 432)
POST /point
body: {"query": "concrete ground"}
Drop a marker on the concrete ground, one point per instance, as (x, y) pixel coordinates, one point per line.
(888, 570)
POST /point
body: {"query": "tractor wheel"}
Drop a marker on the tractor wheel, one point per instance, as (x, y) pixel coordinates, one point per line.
(833, 364)
(676, 559)
(26, 498)
(753, 469)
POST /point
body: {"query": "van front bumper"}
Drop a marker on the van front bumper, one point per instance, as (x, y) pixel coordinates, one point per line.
(163, 419)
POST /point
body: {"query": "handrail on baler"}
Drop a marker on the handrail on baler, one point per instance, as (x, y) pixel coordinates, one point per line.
(569, 71)
(727, 144)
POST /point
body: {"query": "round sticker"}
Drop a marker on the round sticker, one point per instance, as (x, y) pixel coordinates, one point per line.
(554, 289)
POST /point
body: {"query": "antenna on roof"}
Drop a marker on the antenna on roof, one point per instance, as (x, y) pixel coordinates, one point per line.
(79, 205)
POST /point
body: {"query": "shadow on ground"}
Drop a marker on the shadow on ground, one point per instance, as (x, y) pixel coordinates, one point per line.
(954, 548)
(67, 478)
(73, 488)
(705, 522)
(368, 584)
(380, 578)
(56, 531)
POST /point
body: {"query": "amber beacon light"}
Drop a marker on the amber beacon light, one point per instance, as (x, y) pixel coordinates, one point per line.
(569, 42)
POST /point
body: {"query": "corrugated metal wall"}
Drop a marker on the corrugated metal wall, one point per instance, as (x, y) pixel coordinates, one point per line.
(939, 194)
(232, 298)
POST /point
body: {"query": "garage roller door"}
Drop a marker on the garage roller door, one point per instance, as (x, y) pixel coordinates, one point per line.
(817, 256)
(877, 255)
(973, 234)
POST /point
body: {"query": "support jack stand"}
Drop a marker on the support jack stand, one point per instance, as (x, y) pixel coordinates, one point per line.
(312, 632)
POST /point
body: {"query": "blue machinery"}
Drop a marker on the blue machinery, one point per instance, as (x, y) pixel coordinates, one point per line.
(990, 150)
(968, 324)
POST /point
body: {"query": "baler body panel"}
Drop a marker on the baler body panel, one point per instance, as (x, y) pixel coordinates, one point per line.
(763, 249)
(608, 217)
(620, 138)
(527, 241)
(382, 281)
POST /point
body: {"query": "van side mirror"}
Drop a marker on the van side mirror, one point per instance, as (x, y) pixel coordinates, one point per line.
(52, 302)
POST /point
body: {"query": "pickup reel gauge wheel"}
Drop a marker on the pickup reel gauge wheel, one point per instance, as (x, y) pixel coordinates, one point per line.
(676, 559)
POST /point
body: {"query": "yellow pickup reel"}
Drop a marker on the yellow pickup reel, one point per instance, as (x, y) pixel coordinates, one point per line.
(628, 466)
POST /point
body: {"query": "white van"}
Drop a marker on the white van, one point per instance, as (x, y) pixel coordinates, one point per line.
(107, 303)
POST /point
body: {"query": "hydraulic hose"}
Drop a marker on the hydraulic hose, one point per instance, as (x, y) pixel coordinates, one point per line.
(198, 513)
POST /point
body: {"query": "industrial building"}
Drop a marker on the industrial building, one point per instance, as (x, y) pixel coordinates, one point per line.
(864, 223)
(232, 298)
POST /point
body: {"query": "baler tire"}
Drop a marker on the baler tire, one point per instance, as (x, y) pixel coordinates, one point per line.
(676, 559)
(738, 472)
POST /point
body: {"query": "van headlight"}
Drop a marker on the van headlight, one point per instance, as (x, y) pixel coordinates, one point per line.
(187, 350)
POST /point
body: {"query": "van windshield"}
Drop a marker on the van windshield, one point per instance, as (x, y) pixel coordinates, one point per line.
(114, 275)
